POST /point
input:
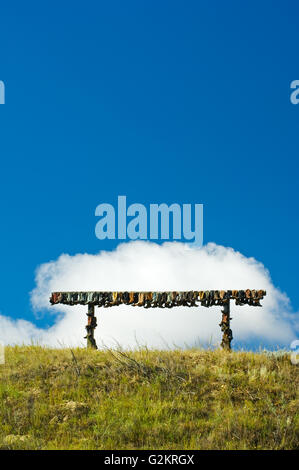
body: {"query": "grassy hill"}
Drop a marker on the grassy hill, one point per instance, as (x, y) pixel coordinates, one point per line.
(79, 399)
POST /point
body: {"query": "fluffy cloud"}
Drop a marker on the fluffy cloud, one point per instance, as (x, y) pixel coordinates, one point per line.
(148, 266)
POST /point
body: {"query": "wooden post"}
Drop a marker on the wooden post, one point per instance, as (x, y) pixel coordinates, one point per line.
(225, 327)
(90, 327)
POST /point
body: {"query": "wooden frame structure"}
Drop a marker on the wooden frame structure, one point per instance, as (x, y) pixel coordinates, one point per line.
(160, 300)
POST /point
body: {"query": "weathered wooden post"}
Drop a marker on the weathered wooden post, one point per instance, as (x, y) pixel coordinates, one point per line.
(90, 327)
(225, 326)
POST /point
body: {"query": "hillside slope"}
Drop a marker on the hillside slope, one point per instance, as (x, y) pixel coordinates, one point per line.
(78, 399)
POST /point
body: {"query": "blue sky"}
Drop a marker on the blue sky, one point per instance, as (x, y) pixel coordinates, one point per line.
(160, 101)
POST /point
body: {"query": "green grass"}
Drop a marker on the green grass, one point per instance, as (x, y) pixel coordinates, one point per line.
(56, 399)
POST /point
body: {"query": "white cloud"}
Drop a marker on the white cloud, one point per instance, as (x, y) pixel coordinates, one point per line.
(148, 266)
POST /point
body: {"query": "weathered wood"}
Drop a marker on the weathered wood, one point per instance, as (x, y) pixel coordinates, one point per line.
(225, 327)
(160, 299)
(90, 327)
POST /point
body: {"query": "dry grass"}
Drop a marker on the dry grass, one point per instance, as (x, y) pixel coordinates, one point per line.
(63, 399)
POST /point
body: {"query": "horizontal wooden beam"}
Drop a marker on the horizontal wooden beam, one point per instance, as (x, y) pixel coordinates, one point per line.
(162, 299)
